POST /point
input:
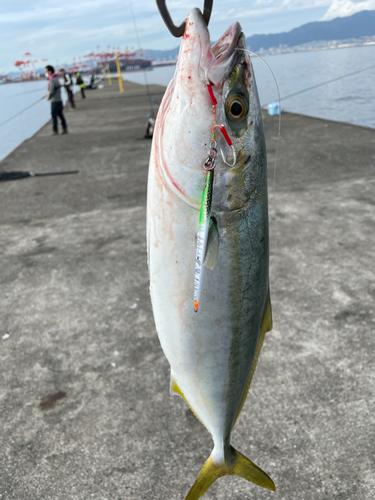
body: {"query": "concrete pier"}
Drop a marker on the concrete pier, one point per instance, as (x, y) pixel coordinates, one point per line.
(85, 410)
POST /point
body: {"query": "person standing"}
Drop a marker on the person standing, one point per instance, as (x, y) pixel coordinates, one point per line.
(68, 84)
(54, 95)
(92, 81)
(81, 83)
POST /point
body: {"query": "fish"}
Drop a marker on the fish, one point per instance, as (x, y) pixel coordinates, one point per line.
(212, 351)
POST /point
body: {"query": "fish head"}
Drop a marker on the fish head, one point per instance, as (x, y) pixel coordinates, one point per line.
(186, 118)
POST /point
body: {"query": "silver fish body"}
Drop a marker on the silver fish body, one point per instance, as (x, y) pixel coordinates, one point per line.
(213, 353)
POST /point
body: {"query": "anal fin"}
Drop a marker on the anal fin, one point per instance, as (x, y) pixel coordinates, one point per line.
(174, 389)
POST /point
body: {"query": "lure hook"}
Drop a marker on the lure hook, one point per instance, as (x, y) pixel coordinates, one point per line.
(229, 142)
(234, 157)
(179, 31)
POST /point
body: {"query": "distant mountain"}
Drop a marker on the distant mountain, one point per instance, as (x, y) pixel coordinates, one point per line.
(18, 73)
(342, 28)
(13, 73)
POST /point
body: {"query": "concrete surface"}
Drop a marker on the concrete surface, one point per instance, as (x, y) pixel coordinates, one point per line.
(85, 410)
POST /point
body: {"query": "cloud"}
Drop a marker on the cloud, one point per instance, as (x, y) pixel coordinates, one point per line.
(56, 34)
(336, 8)
(262, 8)
(343, 8)
(60, 29)
(290, 5)
(67, 9)
(42, 13)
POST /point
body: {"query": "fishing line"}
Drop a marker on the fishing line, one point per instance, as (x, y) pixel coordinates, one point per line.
(321, 84)
(144, 72)
(17, 114)
(15, 175)
(130, 96)
(24, 93)
(278, 137)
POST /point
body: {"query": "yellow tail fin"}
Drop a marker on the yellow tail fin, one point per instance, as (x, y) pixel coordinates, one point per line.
(237, 465)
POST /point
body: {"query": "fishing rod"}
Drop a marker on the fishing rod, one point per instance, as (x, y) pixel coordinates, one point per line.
(131, 96)
(15, 175)
(17, 114)
(144, 72)
(24, 93)
(320, 85)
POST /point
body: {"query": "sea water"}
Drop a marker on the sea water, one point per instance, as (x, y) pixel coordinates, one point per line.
(14, 99)
(351, 99)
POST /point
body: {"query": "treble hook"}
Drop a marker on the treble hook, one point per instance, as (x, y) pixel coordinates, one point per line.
(179, 31)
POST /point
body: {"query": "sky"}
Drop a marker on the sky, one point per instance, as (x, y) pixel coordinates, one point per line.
(61, 30)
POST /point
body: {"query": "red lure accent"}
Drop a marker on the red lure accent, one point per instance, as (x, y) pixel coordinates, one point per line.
(226, 136)
(212, 97)
(222, 128)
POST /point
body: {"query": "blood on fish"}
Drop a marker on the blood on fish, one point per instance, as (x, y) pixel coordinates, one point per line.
(177, 187)
(166, 171)
(186, 35)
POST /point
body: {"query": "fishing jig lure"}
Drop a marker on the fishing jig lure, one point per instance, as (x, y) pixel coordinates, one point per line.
(205, 210)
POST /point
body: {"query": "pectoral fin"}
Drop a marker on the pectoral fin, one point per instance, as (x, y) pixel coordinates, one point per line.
(212, 246)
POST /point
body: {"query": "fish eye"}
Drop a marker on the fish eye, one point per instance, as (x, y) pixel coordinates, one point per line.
(236, 107)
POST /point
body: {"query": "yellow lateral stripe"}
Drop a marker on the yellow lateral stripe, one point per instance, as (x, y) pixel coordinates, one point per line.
(265, 327)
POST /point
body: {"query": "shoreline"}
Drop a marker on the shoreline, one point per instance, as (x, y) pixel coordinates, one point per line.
(35, 132)
(263, 54)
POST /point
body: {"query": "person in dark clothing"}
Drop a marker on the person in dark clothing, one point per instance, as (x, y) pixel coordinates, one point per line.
(91, 85)
(54, 95)
(68, 84)
(81, 83)
(150, 126)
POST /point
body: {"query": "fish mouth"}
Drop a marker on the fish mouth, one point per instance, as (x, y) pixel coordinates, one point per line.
(217, 60)
(184, 128)
(223, 52)
(225, 47)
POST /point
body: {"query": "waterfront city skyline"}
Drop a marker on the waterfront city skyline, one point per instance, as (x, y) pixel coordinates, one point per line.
(61, 31)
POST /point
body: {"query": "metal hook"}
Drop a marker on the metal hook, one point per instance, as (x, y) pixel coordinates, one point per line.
(179, 31)
(234, 157)
(229, 142)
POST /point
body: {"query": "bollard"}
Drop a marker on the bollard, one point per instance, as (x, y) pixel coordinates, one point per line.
(109, 76)
(119, 74)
